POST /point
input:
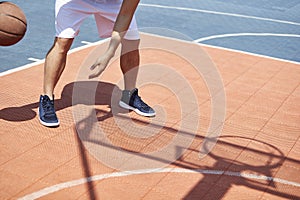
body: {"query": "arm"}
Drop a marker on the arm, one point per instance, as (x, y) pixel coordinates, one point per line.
(121, 26)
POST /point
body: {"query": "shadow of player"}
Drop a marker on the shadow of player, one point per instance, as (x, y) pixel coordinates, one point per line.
(27, 112)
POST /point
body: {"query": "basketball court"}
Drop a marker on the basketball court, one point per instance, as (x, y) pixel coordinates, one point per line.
(223, 78)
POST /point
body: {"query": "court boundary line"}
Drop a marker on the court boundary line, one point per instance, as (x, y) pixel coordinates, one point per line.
(220, 13)
(23, 67)
(227, 49)
(58, 187)
(40, 61)
(251, 54)
(242, 34)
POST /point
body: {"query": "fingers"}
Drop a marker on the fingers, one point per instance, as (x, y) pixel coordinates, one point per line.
(99, 66)
(100, 69)
(96, 74)
(93, 66)
(93, 76)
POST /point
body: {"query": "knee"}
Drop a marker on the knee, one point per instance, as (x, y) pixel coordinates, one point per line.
(62, 45)
(130, 46)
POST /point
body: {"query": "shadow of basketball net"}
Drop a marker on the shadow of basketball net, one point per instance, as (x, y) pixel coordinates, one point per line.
(168, 69)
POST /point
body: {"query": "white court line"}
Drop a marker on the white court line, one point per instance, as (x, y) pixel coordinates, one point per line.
(40, 61)
(249, 53)
(86, 42)
(69, 184)
(164, 7)
(227, 49)
(220, 13)
(34, 59)
(245, 34)
(10, 71)
(103, 41)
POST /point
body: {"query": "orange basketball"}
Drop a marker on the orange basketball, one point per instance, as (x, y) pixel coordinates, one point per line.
(13, 24)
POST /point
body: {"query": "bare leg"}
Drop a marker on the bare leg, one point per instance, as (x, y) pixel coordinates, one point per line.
(130, 60)
(55, 64)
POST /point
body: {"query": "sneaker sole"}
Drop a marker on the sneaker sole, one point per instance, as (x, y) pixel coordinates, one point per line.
(48, 124)
(126, 106)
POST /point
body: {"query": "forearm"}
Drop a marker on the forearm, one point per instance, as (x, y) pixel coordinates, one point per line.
(115, 40)
(122, 24)
(120, 28)
(125, 15)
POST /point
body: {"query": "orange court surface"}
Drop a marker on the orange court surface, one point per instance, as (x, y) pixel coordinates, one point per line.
(255, 152)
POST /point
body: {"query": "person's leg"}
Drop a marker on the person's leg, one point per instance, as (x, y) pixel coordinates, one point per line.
(55, 63)
(54, 66)
(69, 14)
(130, 61)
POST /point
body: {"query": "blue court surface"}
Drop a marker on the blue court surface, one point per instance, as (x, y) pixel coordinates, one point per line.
(262, 27)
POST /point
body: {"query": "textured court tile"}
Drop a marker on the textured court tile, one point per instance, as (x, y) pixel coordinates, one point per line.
(260, 156)
(233, 187)
(43, 158)
(279, 192)
(228, 147)
(126, 187)
(15, 143)
(290, 172)
(282, 131)
(296, 92)
(291, 105)
(281, 85)
(172, 110)
(155, 94)
(248, 79)
(81, 167)
(128, 143)
(268, 67)
(184, 186)
(256, 89)
(228, 77)
(235, 98)
(268, 98)
(236, 135)
(256, 73)
(35, 126)
(239, 92)
(68, 193)
(256, 111)
(220, 57)
(196, 91)
(243, 87)
(30, 91)
(80, 164)
(235, 65)
(290, 71)
(256, 164)
(219, 158)
(286, 119)
(13, 184)
(249, 122)
(278, 141)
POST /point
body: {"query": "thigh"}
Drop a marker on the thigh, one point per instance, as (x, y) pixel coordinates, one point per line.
(106, 16)
(69, 15)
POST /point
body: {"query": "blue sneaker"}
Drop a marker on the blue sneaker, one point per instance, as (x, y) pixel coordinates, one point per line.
(130, 100)
(47, 114)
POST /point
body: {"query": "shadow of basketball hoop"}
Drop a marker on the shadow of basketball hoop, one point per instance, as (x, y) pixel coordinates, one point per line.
(253, 167)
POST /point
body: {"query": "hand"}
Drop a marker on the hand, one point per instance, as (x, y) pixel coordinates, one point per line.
(100, 64)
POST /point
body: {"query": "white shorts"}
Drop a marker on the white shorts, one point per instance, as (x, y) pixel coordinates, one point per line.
(69, 15)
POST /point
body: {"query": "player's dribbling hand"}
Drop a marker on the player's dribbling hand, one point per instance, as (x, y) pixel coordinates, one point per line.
(100, 64)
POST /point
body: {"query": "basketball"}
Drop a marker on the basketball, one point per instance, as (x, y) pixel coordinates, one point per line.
(13, 23)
